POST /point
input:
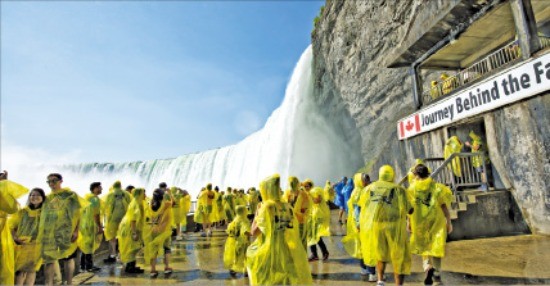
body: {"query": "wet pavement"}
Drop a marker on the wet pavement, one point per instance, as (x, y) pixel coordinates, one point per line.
(198, 260)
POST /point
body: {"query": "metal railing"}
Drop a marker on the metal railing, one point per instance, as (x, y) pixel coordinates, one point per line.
(443, 173)
(544, 42)
(504, 56)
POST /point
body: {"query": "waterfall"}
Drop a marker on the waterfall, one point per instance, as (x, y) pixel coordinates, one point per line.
(296, 140)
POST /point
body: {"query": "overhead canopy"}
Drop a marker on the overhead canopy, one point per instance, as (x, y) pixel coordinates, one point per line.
(492, 30)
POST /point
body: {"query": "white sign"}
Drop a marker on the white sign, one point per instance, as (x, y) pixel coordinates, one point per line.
(523, 81)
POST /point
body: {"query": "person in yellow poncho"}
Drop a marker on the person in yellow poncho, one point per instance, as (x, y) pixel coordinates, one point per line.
(9, 193)
(300, 200)
(229, 204)
(91, 229)
(24, 228)
(157, 231)
(58, 228)
(116, 204)
(185, 202)
(352, 241)
(276, 256)
(318, 224)
(453, 145)
(383, 226)
(204, 213)
(130, 231)
(238, 232)
(219, 212)
(253, 200)
(329, 193)
(478, 163)
(431, 221)
(178, 212)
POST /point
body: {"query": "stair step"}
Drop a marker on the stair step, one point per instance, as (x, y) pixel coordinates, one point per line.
(454, 214)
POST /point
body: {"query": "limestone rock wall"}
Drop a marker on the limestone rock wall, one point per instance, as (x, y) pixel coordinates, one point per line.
(351, 43)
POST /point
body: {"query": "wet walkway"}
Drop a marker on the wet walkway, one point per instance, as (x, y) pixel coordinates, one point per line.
(504, 260)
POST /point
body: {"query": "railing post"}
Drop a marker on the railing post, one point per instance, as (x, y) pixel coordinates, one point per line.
(526, 27)
(416, 86)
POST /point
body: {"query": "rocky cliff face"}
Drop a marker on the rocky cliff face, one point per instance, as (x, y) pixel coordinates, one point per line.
(351, 44)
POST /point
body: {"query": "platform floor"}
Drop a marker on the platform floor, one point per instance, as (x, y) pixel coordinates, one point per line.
(197, 260)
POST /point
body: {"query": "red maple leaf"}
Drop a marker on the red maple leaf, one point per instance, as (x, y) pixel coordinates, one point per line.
(409, 126)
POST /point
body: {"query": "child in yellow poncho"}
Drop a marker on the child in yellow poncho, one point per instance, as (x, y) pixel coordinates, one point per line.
(318, 224)
(238, 232)
(130, 231)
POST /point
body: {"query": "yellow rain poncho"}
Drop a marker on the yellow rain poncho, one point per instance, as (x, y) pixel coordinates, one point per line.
(319, 221)
(157, 230)
(352, 242)
(240, 200)
(477, 147)
(205, 207)
(116, 204)
(178, 213)
(383, 233)
(25, 223)
(238, 231)
(428, 222)
(89, 239)
(253, 200)
(229, 205)
(329, 193)
(9, 193)
(276, 256)
(300, 201)
(58, 220)
(136, 213)
(453, 145)
(185, 207)
(219, 212)
(291, 194)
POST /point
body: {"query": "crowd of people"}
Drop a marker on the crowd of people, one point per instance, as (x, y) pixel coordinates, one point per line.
(269, 231)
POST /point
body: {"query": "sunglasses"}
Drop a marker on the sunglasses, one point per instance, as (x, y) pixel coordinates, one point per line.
(52, 181)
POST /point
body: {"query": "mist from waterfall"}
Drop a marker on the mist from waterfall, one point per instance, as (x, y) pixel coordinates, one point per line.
(296, 140)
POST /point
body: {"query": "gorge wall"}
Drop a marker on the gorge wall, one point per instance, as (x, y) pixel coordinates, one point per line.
(351, 43)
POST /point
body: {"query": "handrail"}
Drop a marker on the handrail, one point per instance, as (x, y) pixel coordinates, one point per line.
(508, 54)
(444, 173)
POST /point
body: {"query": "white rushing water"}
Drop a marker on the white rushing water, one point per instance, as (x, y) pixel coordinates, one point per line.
(296, 140)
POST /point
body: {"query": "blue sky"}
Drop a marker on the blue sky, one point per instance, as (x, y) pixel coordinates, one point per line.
(135, 80)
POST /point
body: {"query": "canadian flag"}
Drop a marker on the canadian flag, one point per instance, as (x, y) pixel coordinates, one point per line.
(409, 127)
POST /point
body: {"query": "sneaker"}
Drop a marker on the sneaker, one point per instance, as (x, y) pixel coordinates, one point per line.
(110, 259)
(94, 269)
(325, 256)
(210, 233)
(203, 234)
(232, 273)
(364, 272)
(380, 283)
(168, 270)
(372, 278)
(154, 274)
(429, 277)
(313, 258)
(179, 238)
(437, 277)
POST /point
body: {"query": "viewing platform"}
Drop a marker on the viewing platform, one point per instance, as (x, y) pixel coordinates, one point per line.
(197, 260)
